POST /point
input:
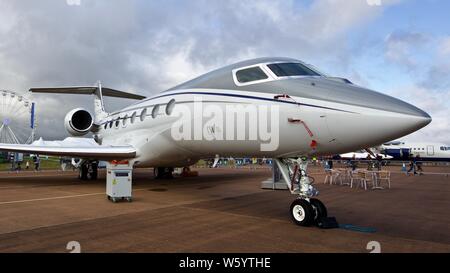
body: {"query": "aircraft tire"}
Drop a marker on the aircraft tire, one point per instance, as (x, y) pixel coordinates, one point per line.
(156, 173)
(83, 172)
(302, 212)
(94, 173)
(319, 208)
(162, 172)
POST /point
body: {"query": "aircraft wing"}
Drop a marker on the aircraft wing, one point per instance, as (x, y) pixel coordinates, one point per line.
(73, 148)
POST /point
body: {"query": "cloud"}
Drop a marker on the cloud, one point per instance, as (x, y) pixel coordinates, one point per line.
(434, 102)
(401, 48)
(149, 46)
(444, 46)
(437, 75)
(425, 58)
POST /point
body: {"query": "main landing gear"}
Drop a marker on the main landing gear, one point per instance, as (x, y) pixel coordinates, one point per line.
(163, 172)
(88, 170)
(305, 210)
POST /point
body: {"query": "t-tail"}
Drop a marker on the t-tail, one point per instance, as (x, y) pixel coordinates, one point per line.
(98, 91)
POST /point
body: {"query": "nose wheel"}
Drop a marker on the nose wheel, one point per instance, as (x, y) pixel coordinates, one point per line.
(306, 213)
(302, 212)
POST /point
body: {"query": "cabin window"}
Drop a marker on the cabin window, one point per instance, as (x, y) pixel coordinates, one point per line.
(117, 122)
(250, 75)
(106, 125)
(291, 69)
(170, 106)
(155, 111)
(143, 114)
(133, 117)
(124, 121)
(110, 124)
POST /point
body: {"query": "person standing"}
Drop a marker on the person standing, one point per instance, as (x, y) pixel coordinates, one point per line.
(12, 159)
(419, 165)
(412, 166)
(379, 162)
(37, 162)
(353, 163)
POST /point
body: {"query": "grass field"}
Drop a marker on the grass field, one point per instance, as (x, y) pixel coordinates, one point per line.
(50, 163)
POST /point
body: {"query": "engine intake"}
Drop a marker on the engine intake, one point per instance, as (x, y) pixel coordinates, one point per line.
(78, 122)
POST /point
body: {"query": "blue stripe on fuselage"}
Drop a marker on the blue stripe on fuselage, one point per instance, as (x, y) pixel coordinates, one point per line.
(225, 95)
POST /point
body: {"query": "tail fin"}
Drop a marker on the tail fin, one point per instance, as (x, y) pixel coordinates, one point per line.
(98, 91)
(99, 107)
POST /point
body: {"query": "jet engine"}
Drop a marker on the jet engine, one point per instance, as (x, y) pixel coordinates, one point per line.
(78, 122)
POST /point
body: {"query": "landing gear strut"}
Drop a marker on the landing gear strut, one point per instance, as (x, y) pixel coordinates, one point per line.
(163, 172)
(88, 170)
(305, 210)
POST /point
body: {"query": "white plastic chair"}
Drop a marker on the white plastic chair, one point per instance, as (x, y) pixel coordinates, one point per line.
(359, 178)
(386, 176)
(328, 177)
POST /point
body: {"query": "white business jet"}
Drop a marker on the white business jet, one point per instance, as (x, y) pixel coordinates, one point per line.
(279, 108)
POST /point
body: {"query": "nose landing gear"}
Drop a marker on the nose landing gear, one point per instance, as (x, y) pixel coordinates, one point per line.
(305, 210)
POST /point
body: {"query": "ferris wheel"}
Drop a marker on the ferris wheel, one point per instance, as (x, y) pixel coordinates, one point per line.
(17, 119)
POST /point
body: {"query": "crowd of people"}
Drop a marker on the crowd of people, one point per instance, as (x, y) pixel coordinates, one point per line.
(415, 164)
(237, 162)
(17, 159)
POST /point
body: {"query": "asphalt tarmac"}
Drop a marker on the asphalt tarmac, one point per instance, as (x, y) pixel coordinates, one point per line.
(222, 210)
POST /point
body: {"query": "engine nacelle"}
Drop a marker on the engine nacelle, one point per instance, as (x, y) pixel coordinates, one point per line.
(78, 122)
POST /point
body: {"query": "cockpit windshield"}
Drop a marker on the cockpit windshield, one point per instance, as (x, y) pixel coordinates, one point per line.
(250, 75)
(291, 69)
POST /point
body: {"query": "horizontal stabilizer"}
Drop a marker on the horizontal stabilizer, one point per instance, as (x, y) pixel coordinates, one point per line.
(87, 90)
(73, 148)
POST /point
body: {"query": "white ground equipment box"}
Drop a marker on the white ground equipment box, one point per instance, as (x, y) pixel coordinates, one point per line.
(118, 182)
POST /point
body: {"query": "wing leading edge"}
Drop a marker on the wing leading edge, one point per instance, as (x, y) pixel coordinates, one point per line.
(78, 151)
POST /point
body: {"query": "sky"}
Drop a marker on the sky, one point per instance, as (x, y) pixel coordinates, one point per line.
(397, 47)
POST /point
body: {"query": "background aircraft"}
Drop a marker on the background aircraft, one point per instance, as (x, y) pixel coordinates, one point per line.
(428, 151)
(364, 155)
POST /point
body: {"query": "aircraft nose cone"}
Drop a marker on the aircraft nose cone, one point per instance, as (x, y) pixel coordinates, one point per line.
(414, 118)
(379, 118)
(422, 118)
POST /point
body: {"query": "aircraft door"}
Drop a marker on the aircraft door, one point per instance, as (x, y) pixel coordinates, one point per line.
(430, 150)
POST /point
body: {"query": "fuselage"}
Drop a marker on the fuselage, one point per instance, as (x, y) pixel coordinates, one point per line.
(429, 151)
(274, 117)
